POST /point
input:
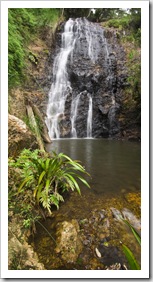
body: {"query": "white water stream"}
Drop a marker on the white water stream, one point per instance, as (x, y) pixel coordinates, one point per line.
(74, 31)
(89, 119)
(74, 111)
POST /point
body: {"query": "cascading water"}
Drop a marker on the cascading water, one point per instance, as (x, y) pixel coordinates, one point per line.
(71, 38)
(91, 37)
(81, 80)
(58, 92)
(74, 111)
(89, 119)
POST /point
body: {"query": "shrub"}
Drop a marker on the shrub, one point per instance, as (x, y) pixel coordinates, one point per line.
(48, 176)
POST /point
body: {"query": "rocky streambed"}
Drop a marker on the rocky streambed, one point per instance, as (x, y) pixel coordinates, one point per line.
(86, 237)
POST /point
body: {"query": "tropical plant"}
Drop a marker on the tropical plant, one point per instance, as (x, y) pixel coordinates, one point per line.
(129, 255)
(48, 176)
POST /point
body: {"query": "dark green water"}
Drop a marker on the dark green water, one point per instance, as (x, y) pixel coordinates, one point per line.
(115, 166)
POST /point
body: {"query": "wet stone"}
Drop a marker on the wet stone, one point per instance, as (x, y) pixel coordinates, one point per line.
(69, 245)
(111, 255)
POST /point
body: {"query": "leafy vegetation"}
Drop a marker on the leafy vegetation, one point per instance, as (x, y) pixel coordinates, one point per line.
(129, 21)
(23, 26)
(130, 258)
(128, 25)
(135, 84)
(48, 177)
(129, 255)
(76, 12)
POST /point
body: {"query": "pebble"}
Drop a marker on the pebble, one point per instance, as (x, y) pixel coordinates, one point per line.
(98, 253)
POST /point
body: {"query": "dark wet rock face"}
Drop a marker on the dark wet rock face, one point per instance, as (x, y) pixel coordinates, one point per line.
(94, 68)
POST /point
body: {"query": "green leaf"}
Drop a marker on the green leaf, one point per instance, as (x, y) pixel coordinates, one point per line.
(136, 234)
(39, 191)
(48, 175)
(59, 197)
(74, 182)
(41, 162)
(47, 164)
(84, 181)
(54, 200)
(47, 185)
(130, 258)
(77, 166)
(35, 191)
(24, 182)
(41, 177)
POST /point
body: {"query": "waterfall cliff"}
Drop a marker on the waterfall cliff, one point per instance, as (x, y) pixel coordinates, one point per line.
(84, 97)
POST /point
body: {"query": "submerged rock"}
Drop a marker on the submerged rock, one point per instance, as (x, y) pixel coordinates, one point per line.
(68, 242)
(111, 255)
(117, 214)
(134, 221)
(117, 266)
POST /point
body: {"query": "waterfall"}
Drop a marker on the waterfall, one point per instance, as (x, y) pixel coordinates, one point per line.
(76, 32)
(91, 38)
(89, 118)
(58, 91)
(74, 110)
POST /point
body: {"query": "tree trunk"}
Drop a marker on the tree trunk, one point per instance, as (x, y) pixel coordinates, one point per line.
(34, 125)
(44, 130)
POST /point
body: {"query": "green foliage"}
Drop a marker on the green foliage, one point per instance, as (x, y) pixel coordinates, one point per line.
(105, 14)
(33, 58)
(135, 233)
(128, 20)
(48, 177)
(24, 207)
(75, 12)
(135, 18)
(31, 127)
(120, 23)
(20, 27)
(129, 255)
(23, 26)
(134, 80)
(45, 17)
(130, 258)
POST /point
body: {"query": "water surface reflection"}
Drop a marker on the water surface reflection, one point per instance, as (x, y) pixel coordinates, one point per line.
(115, 166)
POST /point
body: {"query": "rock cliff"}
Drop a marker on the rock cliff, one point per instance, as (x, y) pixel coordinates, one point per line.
(101, 75)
